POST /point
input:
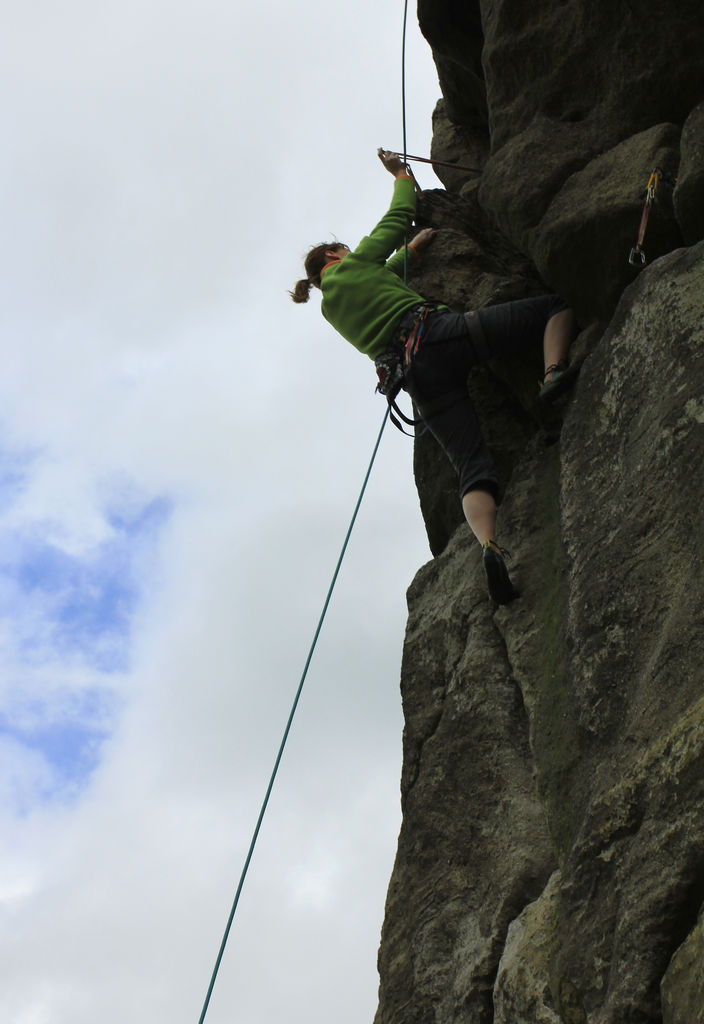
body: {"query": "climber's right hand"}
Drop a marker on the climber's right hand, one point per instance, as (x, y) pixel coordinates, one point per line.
(392, 162)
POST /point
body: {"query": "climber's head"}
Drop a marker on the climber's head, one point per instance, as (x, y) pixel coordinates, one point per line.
(318, 257)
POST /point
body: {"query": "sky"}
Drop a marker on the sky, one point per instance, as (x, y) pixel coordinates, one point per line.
(181, 450)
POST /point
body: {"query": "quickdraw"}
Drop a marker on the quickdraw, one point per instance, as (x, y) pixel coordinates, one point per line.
(637, 255)
(439, 163)
(413, 341)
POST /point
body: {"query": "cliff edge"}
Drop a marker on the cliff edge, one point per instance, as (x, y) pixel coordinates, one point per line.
(550, 866)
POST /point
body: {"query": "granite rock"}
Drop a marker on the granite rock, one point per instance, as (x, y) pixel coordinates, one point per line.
(689, 191)
(550, 867)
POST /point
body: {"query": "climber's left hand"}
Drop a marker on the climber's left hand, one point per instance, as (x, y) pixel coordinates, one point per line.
(423, 238)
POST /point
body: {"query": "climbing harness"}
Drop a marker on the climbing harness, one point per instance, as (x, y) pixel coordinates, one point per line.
(637, 255)
(395, 362)
(395, 369)
(389, 370)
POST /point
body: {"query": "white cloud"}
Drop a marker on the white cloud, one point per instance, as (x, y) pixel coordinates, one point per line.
(167, 167)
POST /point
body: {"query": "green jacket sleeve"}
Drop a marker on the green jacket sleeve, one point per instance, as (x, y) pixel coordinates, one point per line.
(396, 262)
(391, 230)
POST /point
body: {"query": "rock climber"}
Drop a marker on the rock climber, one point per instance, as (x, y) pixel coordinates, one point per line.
(367, 302)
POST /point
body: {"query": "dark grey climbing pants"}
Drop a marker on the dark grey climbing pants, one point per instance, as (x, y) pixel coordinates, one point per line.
(451, 344)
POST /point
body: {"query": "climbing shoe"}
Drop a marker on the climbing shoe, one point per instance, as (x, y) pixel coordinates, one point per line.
(563, 377)
(501, 590)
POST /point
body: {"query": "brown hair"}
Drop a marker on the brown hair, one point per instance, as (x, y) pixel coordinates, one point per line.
(313, 263)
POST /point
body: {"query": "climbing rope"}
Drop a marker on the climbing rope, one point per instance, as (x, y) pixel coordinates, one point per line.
(287, 730)
(440, 163)
(403, 119)
(313, 645)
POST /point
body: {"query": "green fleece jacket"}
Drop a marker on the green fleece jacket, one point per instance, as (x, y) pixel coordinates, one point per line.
(364, 296)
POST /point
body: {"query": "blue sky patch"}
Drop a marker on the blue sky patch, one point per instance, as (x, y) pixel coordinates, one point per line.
(68, 732)
(13, 476)
(84, 604)
(63, 611)
(68, 735)
(144, 519)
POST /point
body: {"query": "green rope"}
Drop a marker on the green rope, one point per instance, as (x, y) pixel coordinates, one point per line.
(294, 706)
(288, 726)
(403, 78)
(403, 117)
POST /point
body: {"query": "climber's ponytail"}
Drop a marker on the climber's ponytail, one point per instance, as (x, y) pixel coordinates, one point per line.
(301, 292)
(314, 263)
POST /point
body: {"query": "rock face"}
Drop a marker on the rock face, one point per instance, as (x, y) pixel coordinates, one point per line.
(550, 866)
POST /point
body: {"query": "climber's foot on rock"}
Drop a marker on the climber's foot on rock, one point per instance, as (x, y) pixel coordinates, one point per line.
(558, 379)
(501, 590)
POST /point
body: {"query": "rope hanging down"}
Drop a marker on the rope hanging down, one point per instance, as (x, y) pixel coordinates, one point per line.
(403, 120)
(313, 645)
(287, 730)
